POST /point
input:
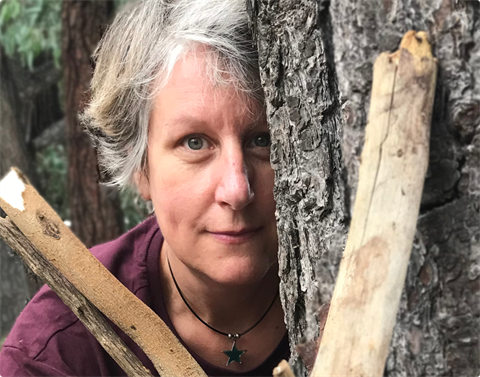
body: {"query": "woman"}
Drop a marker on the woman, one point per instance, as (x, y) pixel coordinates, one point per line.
(177, 112)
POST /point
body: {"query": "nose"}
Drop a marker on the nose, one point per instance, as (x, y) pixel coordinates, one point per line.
(234, 187)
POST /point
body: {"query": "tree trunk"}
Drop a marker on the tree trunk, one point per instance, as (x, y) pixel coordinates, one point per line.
(95, 210)
(16, 288)
(303, 109)
(13, 151)
(310, 52)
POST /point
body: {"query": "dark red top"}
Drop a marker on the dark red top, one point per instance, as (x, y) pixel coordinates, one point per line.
(49, 340)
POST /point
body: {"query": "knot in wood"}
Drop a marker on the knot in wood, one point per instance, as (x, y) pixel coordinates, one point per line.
(49, 227)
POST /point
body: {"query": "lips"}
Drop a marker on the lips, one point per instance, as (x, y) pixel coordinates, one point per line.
(236, 236)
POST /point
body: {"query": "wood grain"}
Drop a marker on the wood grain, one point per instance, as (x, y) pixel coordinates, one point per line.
(283, 370)
(393, 165)
(83, 309)
(44, 228)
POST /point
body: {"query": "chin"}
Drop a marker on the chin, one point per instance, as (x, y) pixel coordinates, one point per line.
(242, 271)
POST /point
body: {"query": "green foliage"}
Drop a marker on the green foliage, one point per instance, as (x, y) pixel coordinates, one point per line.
(30, 27)
(51, 169)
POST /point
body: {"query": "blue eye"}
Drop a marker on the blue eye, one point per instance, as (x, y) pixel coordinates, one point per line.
(195, 143)
(262, 140)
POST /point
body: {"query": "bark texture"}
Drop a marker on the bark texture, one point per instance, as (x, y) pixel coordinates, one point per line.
(308, 47)
(438, 326)
(95, 210)
(295, 58)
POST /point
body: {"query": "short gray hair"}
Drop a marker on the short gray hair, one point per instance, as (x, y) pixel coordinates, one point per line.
(133, 63)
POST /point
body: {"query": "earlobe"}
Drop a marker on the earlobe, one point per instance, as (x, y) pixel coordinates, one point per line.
(143, 185)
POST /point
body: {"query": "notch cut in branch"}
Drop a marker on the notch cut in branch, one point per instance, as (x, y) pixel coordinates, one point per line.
(44, 229)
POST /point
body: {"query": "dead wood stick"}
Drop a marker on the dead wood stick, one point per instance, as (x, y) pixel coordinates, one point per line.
(394, 162)
(83, 309)
(283, 370)
(44, 228)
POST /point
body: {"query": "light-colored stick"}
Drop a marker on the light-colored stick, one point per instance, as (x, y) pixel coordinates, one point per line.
(394, 162)
(42, 226)
(283, 370)
(83, 309)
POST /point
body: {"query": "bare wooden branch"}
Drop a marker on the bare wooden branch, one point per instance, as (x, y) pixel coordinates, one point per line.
(394, 162)
(283, 370)
(43, 227)
(83, 309)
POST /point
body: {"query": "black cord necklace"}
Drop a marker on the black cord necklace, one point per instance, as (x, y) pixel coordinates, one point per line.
(234, 354)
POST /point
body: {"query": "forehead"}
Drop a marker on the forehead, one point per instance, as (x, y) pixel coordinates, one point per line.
(191, 90)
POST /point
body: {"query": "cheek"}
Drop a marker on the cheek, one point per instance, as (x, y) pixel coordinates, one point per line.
(178, 197)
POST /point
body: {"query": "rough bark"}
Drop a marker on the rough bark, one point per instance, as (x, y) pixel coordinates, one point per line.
(95, 210)
(305, 47)
(295, 58)
(438, 326)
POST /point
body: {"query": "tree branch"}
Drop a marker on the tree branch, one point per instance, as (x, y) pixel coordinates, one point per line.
(44, 228)
(394, 162)
(83, 309)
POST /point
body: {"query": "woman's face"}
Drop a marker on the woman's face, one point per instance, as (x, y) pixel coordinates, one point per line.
(210, 179)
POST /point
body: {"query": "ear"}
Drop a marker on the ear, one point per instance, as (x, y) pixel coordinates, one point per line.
(143, 185)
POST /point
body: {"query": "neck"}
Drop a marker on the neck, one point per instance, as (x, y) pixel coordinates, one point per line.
(227, 308)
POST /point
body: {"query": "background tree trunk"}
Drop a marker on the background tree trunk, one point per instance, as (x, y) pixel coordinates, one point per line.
(95, 210)
(14, 284)
(14, 150)
(316, 65)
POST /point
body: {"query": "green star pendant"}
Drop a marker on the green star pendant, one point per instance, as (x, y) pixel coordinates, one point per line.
(234, 354)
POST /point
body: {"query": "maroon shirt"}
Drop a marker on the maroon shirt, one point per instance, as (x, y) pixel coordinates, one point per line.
(49, 340)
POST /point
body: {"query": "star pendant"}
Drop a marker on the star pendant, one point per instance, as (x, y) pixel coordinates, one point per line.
(234, 354)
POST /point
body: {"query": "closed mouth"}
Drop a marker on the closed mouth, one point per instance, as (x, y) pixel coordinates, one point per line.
(236, 232)
(236, 236)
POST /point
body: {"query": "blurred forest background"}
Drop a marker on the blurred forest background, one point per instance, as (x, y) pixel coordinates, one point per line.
(45, 49)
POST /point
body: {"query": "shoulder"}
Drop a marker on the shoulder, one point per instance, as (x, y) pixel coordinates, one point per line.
(42, 339)
(44, 317)
(46, 328)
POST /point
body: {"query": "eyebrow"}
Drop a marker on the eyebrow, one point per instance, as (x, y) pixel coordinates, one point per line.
(194, 121)
(186, 119)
